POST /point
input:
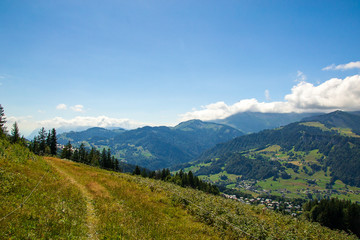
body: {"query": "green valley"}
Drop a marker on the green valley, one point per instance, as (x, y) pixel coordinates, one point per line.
(317, 158)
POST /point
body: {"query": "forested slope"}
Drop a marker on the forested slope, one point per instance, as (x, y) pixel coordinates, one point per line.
(339, 148)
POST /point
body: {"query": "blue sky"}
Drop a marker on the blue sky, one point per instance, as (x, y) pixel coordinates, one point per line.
(130, 63)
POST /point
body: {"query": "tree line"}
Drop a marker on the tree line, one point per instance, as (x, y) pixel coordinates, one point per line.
(180, 178)
(335, 214)
(92, 157)
(45, 143)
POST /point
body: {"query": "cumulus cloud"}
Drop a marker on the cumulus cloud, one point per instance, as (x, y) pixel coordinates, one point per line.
(304, 97)
(61, 106)
(347, 66)
(77, 108)
(333, 94)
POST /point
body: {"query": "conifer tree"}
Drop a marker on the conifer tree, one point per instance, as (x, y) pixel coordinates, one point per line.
(67, 151)
(75, 156)
(191, 179)
(42, 141)
(53, 142)
(103, 158)
(2, 121)
(15, 134)
(82, 154)
(137, 170)
(108, 160)
(94, 157)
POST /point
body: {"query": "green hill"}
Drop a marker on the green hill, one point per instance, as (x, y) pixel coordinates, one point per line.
(155, 147)
(338, 119)
(252, 122)
(49, 198)
(304, 159)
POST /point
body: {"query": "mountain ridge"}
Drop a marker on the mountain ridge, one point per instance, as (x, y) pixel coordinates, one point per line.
(156, 147)
(299, 153)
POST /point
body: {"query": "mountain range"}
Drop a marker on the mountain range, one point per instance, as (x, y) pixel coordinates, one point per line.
(319, 155)
(155, 147)
(252, 122)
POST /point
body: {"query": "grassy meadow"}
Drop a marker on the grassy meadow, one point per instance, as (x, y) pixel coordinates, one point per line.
(61, 199)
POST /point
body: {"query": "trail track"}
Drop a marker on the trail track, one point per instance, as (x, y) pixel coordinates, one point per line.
(91, 217)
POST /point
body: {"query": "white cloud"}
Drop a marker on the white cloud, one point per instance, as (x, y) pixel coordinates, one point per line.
(347, 66)
(77, 108)
(300, 77)
(332, 94)
(61, 106)
(82, 121)
(27, 124)
(267, 95)
(304, 97)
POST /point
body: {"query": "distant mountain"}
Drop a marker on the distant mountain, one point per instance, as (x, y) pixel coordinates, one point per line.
(323, 146)
(155, 147)
(251, 122)
(338, 119)
(88, 134)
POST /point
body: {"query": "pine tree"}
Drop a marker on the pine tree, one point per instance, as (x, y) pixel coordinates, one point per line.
(103, 158)
(82, 154)
(191, 179)
(2, 121)
(42, 141)
(15, 134)
(108, 160)
(67, 151)
(94, 157)
(34, 146)
(53, 142)
(137, 170)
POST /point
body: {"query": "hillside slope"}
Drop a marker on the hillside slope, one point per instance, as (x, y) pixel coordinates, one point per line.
(63, 199)
(319, 158)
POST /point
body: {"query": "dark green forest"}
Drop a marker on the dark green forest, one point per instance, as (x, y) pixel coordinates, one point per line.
(335, 214)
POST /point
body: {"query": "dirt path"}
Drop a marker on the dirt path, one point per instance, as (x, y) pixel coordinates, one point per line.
(91, 217)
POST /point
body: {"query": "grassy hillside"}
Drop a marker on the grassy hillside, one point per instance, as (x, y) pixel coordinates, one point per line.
(60, 199)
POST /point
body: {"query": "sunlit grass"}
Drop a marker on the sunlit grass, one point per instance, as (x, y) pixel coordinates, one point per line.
(55, 209)
(126, 206)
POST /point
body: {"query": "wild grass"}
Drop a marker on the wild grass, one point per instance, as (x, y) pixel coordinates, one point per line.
(123, 206)
(55, 209)
(126, 209)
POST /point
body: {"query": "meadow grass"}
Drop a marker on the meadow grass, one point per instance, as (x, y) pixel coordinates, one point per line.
(126, 209)
(76, 201)
(55, 209)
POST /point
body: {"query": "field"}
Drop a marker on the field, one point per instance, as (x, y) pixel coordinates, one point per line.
(43, 198)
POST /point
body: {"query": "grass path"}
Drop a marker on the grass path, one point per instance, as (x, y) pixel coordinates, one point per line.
(91, 217)
(119, 206)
